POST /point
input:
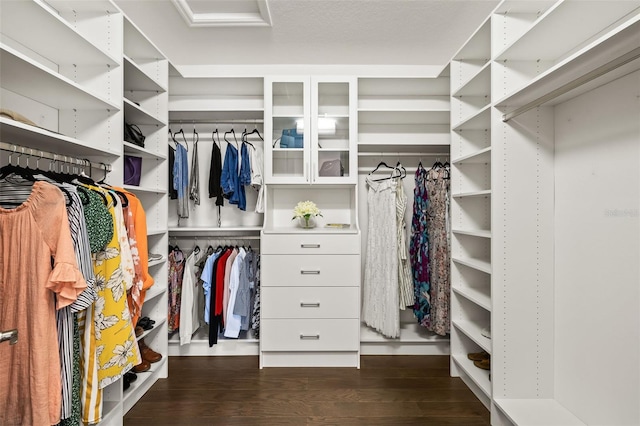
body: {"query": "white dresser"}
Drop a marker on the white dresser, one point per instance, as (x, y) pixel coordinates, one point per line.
(310, 300)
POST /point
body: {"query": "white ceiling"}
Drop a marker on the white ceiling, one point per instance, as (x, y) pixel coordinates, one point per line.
(314, 32)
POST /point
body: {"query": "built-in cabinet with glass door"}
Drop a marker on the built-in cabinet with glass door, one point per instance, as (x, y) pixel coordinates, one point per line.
(310, 278)
(311, 126)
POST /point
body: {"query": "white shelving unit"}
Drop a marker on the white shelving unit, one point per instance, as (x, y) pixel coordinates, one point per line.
(74, 95)
(145, 82)
(557, 101)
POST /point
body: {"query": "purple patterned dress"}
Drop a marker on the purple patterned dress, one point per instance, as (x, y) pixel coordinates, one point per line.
(419, 249)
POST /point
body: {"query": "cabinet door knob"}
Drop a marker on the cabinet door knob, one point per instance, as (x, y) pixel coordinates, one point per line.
(309, 305)
(310, 245)
(309, 337)
(303, 272)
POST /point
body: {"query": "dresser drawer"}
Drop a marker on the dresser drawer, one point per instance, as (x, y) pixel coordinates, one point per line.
(309, 335)
(310, 302)
(309, 270)
(310, 244)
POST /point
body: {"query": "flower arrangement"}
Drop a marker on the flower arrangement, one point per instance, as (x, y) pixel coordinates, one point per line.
(306, 210)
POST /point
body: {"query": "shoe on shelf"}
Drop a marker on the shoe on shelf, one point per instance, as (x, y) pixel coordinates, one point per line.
(147, 353)
(486, 332)
(146, 323)
(131, 375)
(154, 256)
(484, 364)
(478, 356)
(139, 331)
(126, 383)
(142, 367)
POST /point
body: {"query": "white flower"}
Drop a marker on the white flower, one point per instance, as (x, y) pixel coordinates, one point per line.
(306, 209)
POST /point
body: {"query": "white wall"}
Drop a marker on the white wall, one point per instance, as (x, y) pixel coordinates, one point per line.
(597, 222)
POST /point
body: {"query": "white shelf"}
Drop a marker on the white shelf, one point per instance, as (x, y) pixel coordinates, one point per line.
(211, 230)
(135, 79)
(111, 410)
(36, 138)
(549, 39)
(28, 21)
(475, 295)
(156, 231)
(391, 103)
(478, 85)
(485, 193)
(480, 265)
(156, 326)
(480, 120)
(474, 233)
(134, 114)
(32, 80)
(537, 412)
(478, 376)
(136, 45)
(156, 290)
(141, 189)
(480, 157)
(135, 150)
(472, 331)
(609, 47)
(293, 229)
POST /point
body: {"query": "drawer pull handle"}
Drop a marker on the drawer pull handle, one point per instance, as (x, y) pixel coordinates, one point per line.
(310, 305)
(310, 245)
(309, 337)
(303, 272)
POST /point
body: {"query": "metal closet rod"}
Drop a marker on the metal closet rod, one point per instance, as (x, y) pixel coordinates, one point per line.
(21, 150)
(402, 154)
(185, 122)
(574, 84)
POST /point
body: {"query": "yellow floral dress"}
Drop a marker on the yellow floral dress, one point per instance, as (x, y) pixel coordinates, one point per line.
(117, 348)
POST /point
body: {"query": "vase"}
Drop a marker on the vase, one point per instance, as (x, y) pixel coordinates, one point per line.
(307, 223)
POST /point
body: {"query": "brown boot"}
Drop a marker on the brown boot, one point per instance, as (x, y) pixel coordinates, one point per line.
(142, 367)
(147, 353)
(484, 364)
(478, 356)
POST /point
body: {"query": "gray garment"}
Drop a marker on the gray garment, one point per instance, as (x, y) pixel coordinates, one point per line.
(242, 306)
(194, 179)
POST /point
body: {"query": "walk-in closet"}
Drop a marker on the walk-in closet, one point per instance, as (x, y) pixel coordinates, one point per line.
(287, 212)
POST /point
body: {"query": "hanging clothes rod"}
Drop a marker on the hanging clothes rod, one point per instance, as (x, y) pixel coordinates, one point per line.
(403, 154)
(186, 122)
(592, 75)
(21, 150)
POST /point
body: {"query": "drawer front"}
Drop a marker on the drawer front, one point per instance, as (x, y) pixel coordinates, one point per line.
(309, 335)
(310, 302)
(310, 244)
(309, 270)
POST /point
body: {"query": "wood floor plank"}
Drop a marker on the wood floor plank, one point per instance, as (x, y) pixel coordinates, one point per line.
(387, 390)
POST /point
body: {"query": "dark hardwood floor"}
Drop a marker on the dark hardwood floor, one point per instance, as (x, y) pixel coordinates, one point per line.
(387, 390)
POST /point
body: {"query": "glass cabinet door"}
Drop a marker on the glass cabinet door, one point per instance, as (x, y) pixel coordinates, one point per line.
(333, 131)
(287, 115)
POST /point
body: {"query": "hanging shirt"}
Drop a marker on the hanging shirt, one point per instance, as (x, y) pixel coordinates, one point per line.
(233, 322)
(207, 282)
(188, 310)
(232, 189)
(215, 172)
(257, 157)
(194, 181)
(181, 180)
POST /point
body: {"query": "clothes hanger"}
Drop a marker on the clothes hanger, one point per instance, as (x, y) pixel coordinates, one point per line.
(180, 132)
(213, 137)
(234, 137)
(196, 136)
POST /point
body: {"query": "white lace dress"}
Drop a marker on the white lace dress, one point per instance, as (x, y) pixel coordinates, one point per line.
(380, 289)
